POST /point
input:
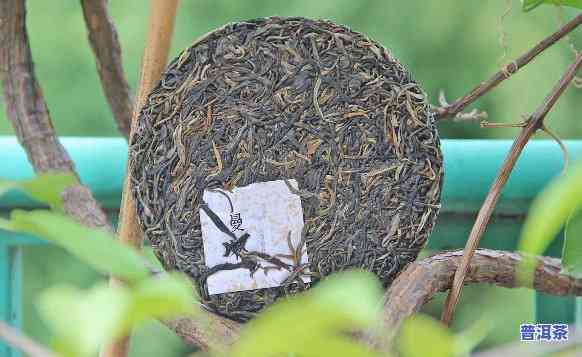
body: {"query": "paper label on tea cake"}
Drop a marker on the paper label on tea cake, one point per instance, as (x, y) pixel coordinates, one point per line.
(252, 236)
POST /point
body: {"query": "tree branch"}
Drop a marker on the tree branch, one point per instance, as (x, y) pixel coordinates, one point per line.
(28, 113)
(458, 105)
(160, 29)
(209, 333)
(107, 51)
(534, 122)
(421, 280)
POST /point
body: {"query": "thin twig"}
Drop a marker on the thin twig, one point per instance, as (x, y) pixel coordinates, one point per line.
(28, 113)
(535, 122)
(421, 280)
(160, 29)
(458, 105)
(107, 51)
(15, 339)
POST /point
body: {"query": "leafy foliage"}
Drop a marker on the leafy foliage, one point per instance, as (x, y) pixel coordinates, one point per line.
(317, 322)
(437, 340)
(572, 253)
(529, 5)
(82, 321)
(548, 214)
(96, 247)
(45, 188)
(550, 210)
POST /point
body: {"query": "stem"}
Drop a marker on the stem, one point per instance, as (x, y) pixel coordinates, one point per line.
(160, 29)
(107, 52)
(534, 123)
(458, 105)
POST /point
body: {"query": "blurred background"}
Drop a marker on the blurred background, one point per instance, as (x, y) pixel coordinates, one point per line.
(448, 45)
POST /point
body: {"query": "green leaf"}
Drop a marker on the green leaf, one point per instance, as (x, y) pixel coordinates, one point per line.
(468, 339)
(423, 336)
(314, 323)
(166, 297)
(82, 321)
(528, 5)
(45, 188)
(96, 247)
(549, 212)
(572, 253)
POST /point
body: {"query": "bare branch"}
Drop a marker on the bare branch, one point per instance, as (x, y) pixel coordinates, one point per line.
(458, 105)
(29, 114)
(160, 30)
(107, 51)
(209, 333)
(535, 122)
(15, 339)
(421, 280)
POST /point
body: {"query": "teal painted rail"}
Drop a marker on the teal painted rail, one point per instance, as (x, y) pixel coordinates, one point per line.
(470, 167)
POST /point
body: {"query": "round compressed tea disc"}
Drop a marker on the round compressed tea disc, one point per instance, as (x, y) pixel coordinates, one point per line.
(277, 151)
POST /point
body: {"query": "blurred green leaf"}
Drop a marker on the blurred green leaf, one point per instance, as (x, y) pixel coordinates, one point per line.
(96, 247)
(528, 5)
(315, 322)
(550, 210)
(82, 321)
(468, 339)
(572, 253)
(422, 336)
(45, 188)
(168, 296)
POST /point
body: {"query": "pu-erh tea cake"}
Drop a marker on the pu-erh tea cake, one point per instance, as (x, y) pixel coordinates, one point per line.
(277, 151)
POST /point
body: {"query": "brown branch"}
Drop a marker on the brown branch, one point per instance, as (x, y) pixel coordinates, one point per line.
(15, 339)
(160, 29)
(458, 105)
(209, 333)
(533, 123)
(421, 280)
(28, 112)
(107, 51)
(29, 115)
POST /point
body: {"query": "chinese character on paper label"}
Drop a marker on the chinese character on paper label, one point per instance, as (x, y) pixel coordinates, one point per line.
(252, 237)
(235, 221)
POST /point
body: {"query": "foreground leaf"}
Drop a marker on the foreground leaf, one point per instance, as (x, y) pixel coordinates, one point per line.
(166, 297)
(97, 248)
(45, 188)
(82, 321)
(528, 5)
(422, 336)
(550, 210)
(572, 253)
(317, 322)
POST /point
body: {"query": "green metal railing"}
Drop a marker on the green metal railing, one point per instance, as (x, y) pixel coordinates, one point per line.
(470, 167)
